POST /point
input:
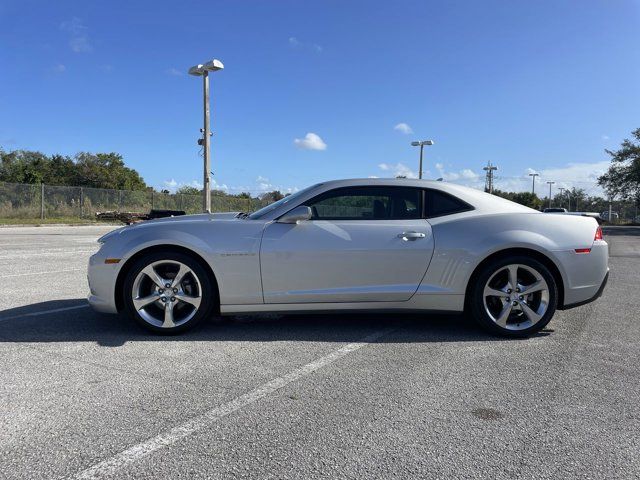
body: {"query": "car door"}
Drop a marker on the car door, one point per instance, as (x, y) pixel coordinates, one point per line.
(362, 244)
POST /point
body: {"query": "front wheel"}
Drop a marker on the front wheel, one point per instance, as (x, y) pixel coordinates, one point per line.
(514, 296)
(168, 292)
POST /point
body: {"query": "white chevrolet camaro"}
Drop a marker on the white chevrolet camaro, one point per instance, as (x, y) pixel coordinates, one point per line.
(355, 245)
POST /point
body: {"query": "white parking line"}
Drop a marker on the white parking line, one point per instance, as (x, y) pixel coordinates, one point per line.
(136, 452)
(46, 253)
(43, 273)
(45, 312)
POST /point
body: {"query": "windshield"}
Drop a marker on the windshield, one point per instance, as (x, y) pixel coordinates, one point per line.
(289, 198)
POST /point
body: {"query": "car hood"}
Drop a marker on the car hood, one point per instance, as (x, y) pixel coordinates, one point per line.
(181, 219)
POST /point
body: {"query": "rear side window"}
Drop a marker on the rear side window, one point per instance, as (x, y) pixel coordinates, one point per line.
(439, 203)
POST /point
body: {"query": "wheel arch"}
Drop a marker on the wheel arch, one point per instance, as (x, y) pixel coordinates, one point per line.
(541, 257)
(122, 274)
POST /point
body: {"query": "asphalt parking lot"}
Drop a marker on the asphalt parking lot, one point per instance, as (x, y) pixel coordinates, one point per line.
(85, 395)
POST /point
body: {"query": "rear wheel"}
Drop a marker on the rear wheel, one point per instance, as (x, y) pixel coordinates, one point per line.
(514, 296)
(168, 292)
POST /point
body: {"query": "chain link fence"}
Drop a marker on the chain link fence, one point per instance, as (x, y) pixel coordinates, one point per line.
(46, 202)
(49, 202)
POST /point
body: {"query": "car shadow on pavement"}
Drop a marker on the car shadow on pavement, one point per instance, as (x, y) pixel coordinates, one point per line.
(74, 321)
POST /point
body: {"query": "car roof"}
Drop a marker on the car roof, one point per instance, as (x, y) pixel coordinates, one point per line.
(475, 197)
(481, 202)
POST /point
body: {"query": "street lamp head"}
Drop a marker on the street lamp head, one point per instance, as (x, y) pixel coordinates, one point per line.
(200, 69)
(213, 66)
(424, 142)
(197, 70)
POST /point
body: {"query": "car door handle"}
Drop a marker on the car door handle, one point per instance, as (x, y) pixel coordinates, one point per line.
(406, 236)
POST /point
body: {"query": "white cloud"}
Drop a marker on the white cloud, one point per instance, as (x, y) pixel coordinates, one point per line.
(606, 137)
(59, 68)
(261, 185)
(297, 44)
(174, 72)
(78, 35)
(403, 128)
(398, 170)
(579, 175)
(311, 141)
(576, 172)
(170, 184)
(464, 175)
(106, 68)
(468, 174)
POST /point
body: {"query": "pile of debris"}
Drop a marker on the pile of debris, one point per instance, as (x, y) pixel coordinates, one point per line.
(134, 217)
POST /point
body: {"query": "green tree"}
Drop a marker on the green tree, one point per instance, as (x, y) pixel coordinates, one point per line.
(189, 190)
(23, 166)
(270, 197)
(100, 170)
(527, 199)
(106, 170)
(622, 180)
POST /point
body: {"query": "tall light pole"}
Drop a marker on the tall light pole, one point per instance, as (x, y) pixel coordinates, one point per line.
(421, 144)
(202, 70)
(561, 193)
(533, 182)
(550, 183)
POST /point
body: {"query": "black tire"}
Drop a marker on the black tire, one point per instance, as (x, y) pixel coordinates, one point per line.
(513, 327)
(206, 290)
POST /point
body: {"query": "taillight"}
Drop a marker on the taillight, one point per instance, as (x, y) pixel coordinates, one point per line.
(598, 234)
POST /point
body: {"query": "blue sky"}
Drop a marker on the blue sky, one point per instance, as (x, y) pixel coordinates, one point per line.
(544, 85)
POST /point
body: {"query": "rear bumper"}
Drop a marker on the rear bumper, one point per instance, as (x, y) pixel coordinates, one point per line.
(583, 273)
(597, 295)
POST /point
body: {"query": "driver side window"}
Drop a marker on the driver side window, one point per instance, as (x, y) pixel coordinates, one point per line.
(367, 203)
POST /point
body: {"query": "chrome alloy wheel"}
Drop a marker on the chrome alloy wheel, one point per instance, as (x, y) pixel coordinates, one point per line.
(166, 293)
(516, 297)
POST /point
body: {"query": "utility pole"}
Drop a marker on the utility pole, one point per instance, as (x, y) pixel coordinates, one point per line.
(488, 185)
(202, 70)
(610, 211)
(533, 182)
(561, 192)
(42, 201)
(550, 183)
(206, 135)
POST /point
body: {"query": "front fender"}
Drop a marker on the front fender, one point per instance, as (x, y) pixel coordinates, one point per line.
(231, 251)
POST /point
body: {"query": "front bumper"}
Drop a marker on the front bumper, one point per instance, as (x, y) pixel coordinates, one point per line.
(102, 280)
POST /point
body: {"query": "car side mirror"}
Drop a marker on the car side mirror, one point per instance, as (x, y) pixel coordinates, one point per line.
(296, 215)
